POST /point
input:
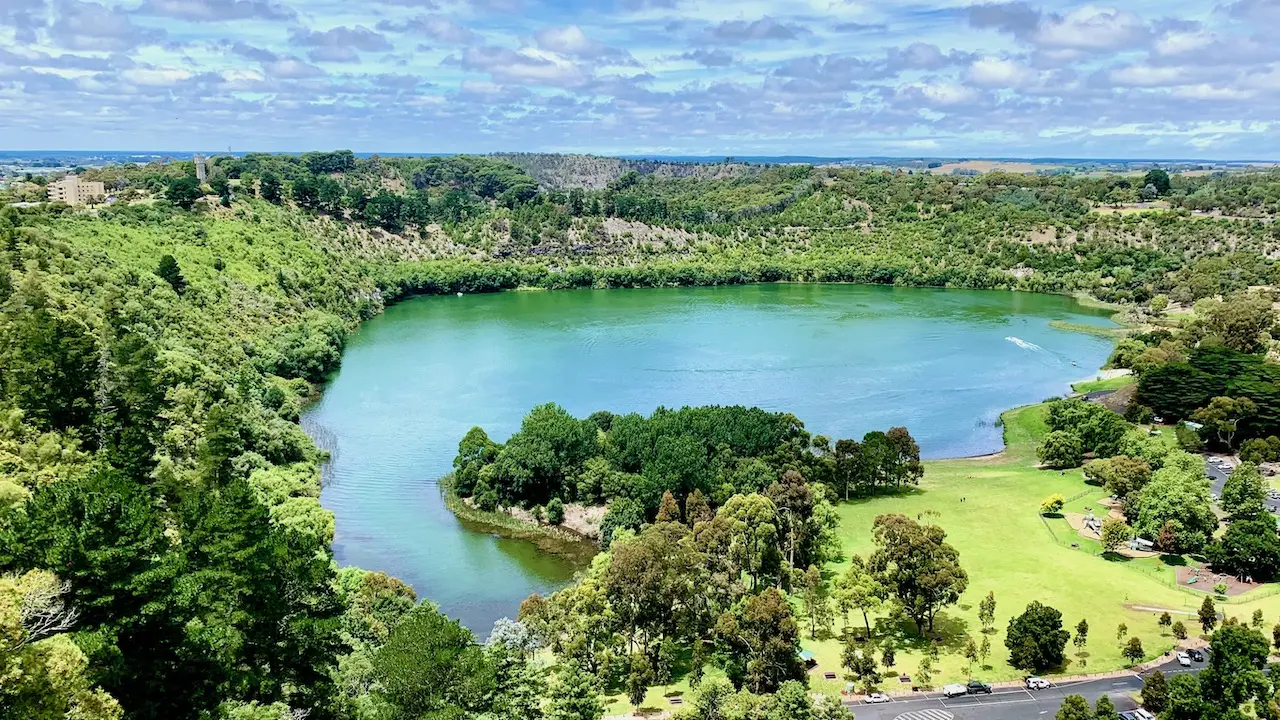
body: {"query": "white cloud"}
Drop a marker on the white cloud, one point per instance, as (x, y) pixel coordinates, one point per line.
(940, 94)
(1204, 91)
(435, 26)
(526, 66)
(995, 72)
(218, 10)
(1091, 28)
(919, 144)
(1179, 43)
(568, 40)
(760, 76)
(158, 77)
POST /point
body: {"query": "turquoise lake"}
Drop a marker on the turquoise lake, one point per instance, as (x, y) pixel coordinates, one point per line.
(845, 359)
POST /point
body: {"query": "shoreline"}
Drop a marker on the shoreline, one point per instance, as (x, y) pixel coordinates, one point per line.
(578, 551)
(552, 539)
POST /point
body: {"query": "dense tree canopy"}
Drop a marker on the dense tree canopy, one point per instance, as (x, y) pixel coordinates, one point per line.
(1174, 510)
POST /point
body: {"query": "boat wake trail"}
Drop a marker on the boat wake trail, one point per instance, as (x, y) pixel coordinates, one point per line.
(1025, 345)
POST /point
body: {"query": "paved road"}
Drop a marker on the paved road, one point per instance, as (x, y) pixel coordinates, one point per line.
(1217, 477)
(1011, 703)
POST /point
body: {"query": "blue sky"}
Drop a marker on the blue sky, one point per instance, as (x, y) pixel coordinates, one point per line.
(818, 77)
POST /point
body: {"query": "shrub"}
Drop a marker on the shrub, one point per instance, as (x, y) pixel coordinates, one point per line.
(1053, 504)
(622, 513)
(1257, 450)
(1115, 533)
(1139, 414)
(555, 511)
(1188, 439)
(1133, 651)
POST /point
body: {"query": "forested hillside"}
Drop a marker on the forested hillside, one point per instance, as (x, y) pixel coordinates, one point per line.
(592, 172)
(162, 550)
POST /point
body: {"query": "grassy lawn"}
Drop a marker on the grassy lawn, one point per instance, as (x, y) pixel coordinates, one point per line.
(1115, 383)
(989, 508)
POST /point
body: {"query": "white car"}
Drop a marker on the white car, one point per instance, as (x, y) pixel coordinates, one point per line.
(955, 690)
(875, 698)
(1037, 683)
(1184, 659)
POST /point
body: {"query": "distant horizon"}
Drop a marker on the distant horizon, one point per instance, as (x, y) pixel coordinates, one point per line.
(706, 158)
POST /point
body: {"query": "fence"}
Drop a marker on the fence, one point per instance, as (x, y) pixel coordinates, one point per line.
(1078, 496)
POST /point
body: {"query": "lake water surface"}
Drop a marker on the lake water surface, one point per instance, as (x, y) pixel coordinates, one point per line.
(845, 359)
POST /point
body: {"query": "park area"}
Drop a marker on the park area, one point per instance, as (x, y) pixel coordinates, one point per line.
(989, 508)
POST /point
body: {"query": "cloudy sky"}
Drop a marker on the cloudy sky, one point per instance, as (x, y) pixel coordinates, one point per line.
(1140, 79)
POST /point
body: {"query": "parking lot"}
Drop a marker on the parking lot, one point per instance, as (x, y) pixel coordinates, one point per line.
(1219, 468)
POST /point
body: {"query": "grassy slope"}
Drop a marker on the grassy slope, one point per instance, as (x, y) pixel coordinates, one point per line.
(1115, 383)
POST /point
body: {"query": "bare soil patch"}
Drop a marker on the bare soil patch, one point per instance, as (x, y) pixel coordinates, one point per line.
(1206, 579)
(581, 520)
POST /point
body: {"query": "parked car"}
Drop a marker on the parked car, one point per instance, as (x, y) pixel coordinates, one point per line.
(975, 686)
(1184, 659)
(1137, 714)
(955, 690)
(1196, 655)
(1037, 683)
(875, 698)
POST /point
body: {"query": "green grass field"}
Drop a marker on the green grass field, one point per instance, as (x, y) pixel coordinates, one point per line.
(1115, 383)
(990, 510)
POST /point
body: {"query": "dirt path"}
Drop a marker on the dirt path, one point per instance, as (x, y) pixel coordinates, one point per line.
(1148, 608)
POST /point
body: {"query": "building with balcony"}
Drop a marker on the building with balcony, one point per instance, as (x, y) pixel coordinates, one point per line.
(74, 191)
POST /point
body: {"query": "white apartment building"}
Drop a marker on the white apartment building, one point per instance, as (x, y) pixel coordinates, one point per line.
(74, 191)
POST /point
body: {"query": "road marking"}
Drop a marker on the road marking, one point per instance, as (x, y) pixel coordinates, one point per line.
(975, 701)
(926, 715)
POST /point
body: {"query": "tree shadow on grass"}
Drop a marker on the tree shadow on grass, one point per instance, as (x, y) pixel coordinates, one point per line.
(1173, 560)
(907, 491)
(949, 632)
(1115, 557)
